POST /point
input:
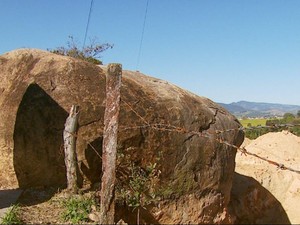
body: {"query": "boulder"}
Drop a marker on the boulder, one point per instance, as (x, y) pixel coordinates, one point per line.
(160, 124)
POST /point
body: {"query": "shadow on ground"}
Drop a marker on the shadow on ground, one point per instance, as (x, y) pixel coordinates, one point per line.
(253, 204)
(34, 196)
(9, 197)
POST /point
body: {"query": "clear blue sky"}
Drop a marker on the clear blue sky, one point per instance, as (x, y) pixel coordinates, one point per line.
(226, 50)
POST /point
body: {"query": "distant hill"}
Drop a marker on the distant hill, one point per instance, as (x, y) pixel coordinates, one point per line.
(259, 109)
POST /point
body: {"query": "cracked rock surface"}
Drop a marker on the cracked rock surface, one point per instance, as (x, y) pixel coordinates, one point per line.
(37, 90)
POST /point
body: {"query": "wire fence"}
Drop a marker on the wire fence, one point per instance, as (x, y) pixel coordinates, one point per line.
(216, 135)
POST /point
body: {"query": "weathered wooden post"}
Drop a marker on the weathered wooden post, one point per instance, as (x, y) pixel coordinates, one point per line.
(69, 136)
(109, 150)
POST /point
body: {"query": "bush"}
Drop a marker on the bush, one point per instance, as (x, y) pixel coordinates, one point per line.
(90, 53)
(138, 188)
(288, 118)
(288, 122)
(254, 133)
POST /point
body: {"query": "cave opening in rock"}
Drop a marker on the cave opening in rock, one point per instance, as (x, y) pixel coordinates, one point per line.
(93, 155)
(38, 140)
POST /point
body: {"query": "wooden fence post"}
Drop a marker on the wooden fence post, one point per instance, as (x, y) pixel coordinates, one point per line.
(109, 150)
(69, 136)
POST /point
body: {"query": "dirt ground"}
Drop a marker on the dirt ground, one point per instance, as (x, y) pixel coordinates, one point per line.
(43, 205)
(281, 147)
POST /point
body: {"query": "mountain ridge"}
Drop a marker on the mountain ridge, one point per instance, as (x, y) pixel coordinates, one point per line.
(259, 109)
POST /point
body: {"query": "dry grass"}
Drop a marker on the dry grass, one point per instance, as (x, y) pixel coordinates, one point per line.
(44, 206)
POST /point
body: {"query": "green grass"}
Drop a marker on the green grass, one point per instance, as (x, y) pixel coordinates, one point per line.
(12, 216)
(253, 122)
(77, 209)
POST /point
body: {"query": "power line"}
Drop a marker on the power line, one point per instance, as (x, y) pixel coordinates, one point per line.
(88, 23)
(142, 36)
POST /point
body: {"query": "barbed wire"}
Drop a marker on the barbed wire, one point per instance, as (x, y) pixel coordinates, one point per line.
(171, 128)
(213, 136)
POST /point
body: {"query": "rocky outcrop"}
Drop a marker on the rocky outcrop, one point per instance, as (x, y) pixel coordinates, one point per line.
(38, 89)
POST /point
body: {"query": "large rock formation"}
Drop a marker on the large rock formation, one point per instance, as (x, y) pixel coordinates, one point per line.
(37, 89)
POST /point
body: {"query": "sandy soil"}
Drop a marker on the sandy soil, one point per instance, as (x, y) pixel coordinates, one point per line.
(282, 147)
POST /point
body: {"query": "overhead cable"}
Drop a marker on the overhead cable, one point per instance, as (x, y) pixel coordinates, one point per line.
(142, 36)
(88, 23)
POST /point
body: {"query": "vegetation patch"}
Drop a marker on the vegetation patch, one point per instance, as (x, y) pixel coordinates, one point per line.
(138, 190)
(12, 216)
(77, 209)
(253, 122)
(258, 127)
(90, 53)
